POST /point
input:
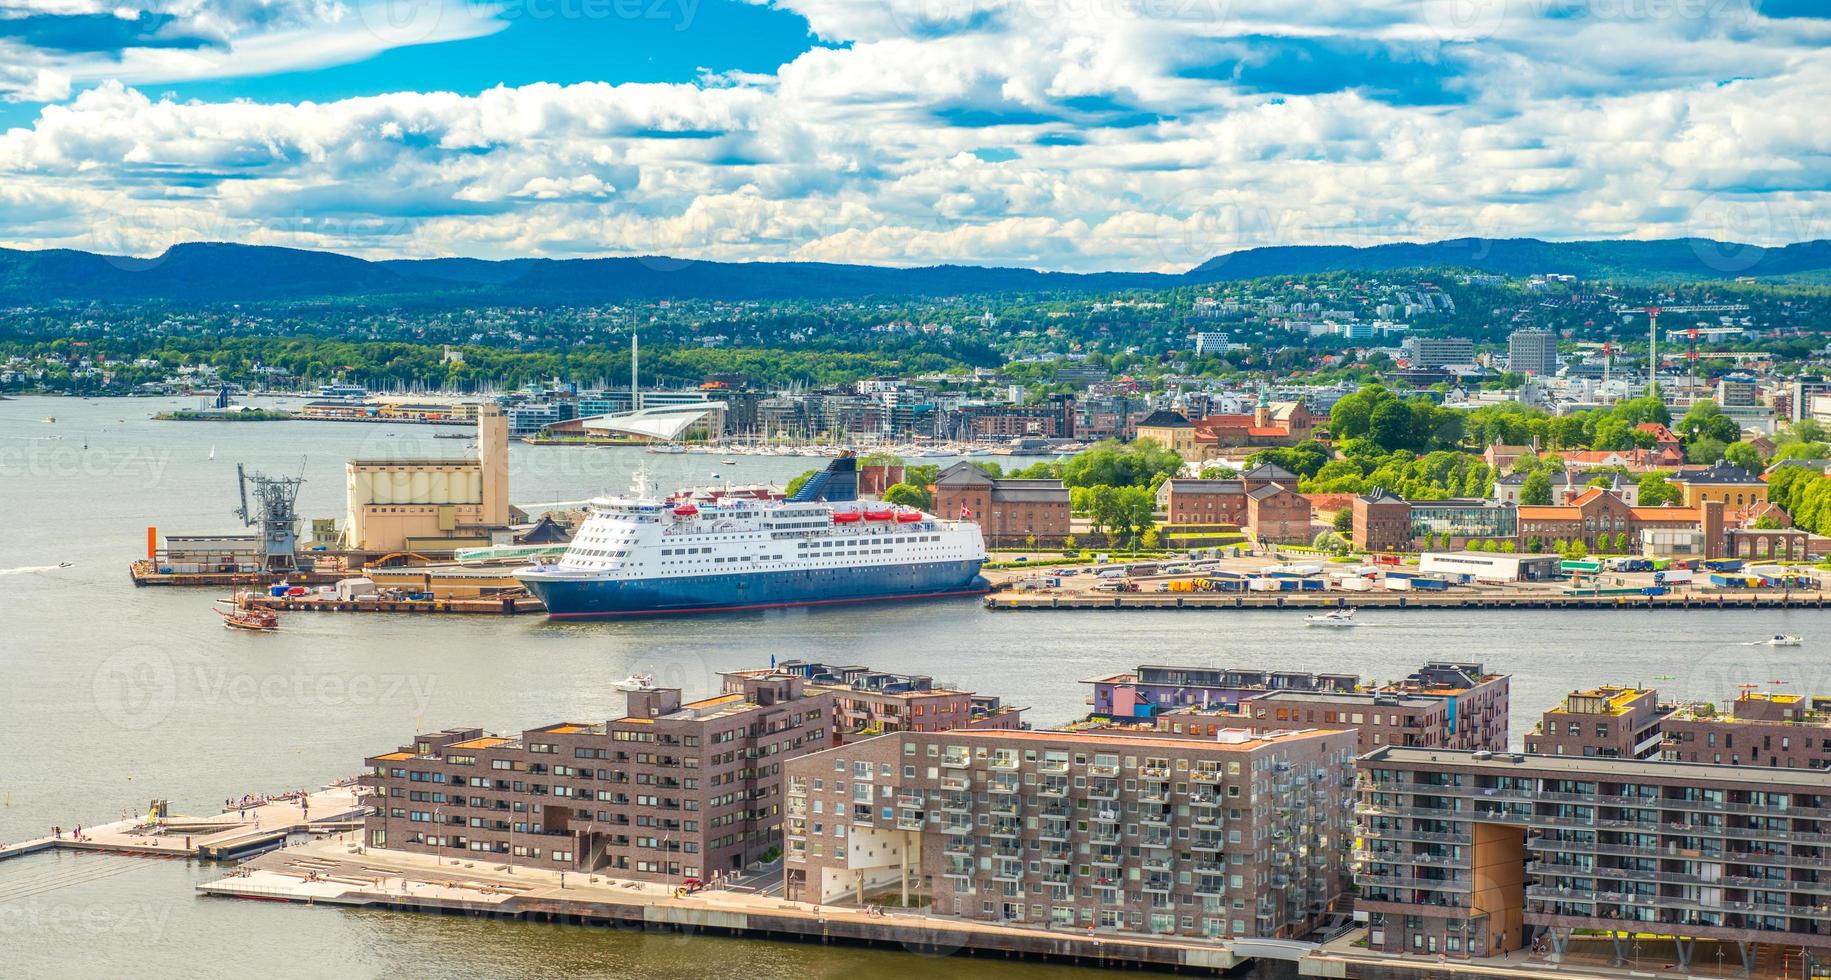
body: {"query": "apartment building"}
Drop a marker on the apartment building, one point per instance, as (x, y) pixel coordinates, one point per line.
(1473, 714)
(1244, 834)
(1780, 731)
(671, 791)
(1605, 722)
(1469, 854)
(870, 702)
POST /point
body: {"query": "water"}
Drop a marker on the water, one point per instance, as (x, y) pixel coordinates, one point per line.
(115, 695)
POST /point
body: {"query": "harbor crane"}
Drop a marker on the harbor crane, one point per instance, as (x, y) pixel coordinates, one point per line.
(1653, 313)
(277, 516)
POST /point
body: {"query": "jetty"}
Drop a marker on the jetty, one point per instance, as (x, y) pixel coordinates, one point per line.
(505, 605)
(223, 836)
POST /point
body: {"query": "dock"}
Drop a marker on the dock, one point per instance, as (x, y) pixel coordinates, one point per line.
(222, 836)
(1483, 601)
(507, 605)
(339, 871)
(145, 572)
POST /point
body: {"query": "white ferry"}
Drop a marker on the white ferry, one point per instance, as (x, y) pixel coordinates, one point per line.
(642, 555)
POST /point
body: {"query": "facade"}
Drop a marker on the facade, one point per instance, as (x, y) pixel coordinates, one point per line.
(1269, 424)
(1724, 482)
(1469, 854)
(1596, 513)
(1009, 512)
(670, 791)
(870, 702)
(431, 504)
(1184, 501)
(1172, 430)
(1484, 566)
(1142, 693)
(1278, 514)
(1384, 522)
(1435, 352)
(1780, 731)
(1474, 715)
(1240, 835)
(1533, 352)
(1602, 723)
(1377, 718)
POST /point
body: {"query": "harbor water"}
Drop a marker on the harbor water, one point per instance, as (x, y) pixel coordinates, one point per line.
(115, 695)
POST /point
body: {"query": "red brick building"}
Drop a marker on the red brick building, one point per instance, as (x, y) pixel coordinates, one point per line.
(1009, 512)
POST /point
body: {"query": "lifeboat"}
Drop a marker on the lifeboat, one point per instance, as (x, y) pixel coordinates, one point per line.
(685, 510)
(908, 516)
(845, 516)
(879, 513)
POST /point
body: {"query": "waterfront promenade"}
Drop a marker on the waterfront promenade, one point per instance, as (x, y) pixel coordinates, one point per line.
(225, 835)
(337, 871)
(1458, 599)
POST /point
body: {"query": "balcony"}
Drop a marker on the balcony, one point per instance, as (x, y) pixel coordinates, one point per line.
(1103, 769)
(1157, 773)
(907, 822)
(1059, 766)
(1005, 784)
(1205, 775)
(1207, 842)
(957, 760)
(1006, 828)
(1007, 761)
(956, 784)
(1103, 790)
(957, 827)
(1157, 883)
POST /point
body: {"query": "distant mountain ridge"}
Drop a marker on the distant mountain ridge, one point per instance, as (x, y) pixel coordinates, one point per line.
(220, 272)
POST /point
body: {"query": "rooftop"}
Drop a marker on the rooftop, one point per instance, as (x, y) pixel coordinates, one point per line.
(1234, 739)
(1623, 770)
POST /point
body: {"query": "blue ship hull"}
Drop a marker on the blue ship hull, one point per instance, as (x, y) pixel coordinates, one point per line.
(755, 590)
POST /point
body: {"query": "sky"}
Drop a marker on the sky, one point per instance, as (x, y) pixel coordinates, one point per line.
(1077, 135)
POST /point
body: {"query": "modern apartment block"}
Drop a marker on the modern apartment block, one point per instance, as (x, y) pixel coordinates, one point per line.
(870, 702)
(671, 791)
(1244, 834)
(1780, 731)
(1379, 718)
(1471, 853)
(1604, 722)
(1473, 716)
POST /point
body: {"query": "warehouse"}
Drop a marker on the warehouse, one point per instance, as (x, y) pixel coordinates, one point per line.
(1483, 566)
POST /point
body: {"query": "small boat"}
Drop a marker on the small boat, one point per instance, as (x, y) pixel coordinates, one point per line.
(1783, 640)
(845, 517)
(908, 516)
(729, 462)
(1343, 616)
(251, 618)
(879, 513)
(212, 452)
(685, 510)
(50, 418)
(635, 682)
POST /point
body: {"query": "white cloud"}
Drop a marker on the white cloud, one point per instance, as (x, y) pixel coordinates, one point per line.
(1146, 134)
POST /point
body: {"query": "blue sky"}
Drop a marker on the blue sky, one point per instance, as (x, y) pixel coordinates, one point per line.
(1068, 134)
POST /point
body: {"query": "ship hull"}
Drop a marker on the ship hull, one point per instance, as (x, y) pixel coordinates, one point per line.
(584, 598)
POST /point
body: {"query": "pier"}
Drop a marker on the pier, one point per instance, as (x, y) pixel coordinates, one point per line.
(1320, 601)
(226, 835)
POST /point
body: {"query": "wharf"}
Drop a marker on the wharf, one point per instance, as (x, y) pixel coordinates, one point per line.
(144, 572)
(230, 834)
(337, 871)
(507, 605)
(1486, 600)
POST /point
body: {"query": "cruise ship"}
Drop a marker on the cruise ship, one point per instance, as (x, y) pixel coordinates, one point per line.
(642, 555)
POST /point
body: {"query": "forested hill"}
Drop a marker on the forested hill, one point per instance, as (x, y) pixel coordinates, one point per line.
(210, 272)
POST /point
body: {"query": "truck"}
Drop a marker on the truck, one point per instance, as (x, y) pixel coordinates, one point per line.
(1674, 576)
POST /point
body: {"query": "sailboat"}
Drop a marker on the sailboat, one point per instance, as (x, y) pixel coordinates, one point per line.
(212, 452)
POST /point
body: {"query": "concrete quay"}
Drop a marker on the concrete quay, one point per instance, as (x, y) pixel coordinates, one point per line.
(227, 835)
(1484, 600)
(337, 871)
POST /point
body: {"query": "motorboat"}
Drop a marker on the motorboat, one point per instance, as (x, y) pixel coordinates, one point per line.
(1341, 616)
(1783, 640)
(635, 682)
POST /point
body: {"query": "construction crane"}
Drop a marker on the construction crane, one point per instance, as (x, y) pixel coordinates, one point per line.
(1653, 313)
(277, 515)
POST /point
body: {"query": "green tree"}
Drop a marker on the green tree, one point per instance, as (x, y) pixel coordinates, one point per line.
(1656, 491)
(794, 484)
(1153, 539)
(1344, 520)
(905, 495)
(1536, 491)
(1706, 420)
(1744, 455)
(1705, 449)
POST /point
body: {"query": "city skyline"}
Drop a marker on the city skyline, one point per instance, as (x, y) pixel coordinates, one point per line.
(1103, 135)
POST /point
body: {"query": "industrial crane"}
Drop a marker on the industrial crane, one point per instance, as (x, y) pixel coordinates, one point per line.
(1653, 313)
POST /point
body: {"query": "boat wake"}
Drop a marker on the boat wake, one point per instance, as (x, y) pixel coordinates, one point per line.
(29, 569)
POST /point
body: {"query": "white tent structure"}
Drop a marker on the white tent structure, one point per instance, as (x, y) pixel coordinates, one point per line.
(663, 422)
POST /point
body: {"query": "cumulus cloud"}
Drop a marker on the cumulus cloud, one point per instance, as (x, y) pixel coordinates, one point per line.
(1069, 134)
